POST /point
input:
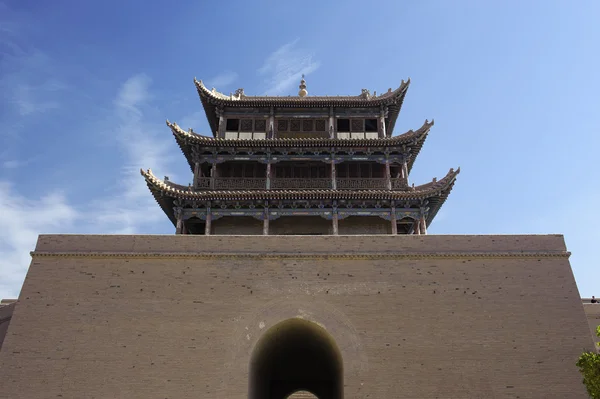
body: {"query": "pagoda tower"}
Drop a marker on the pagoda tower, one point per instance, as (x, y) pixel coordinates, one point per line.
(301, 165)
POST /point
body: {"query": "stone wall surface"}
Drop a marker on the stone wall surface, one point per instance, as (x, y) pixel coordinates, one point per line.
(592, 311)
(6, 311)
(179, 316)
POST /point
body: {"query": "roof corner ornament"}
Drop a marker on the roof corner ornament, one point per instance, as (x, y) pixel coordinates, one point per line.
(302, 92)
(166, 178)
(366, 94)
(238, 94)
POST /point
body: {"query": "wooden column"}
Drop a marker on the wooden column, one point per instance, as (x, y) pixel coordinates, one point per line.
(388, 176)
(333, 178)
(213, 174)
(405, 172)
(382, 132)
(196, 174)
(207, 227)
(416, 227)
(266, 222)
(271, 129)
(331, 128)
(423, 223)
(179, 217)
(393, 220)
(334, 220)
(221, 127)
(268, 176)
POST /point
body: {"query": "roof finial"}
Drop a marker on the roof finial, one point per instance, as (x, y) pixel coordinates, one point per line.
(302, 92)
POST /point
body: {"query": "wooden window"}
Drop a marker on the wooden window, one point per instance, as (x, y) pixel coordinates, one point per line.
(358, 125)
(246, 125)
(343, 125)
(365, 170)
(370, 125)
(295, 125)
(260, 125)
(249, 170)
(282, 125)
(320, 125)
(307, 125)
(232, 125)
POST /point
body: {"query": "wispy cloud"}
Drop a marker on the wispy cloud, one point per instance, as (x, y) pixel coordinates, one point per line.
(22, 219)
(127, 207)
(30, 82)
(14, 163)
(130, 206)
(28, 101)
(223, 79)
(284, 67)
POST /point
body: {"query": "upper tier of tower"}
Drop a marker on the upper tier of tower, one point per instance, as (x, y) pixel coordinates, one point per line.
(364, 116)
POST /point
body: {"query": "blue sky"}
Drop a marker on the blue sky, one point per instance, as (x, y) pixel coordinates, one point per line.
(85, 88)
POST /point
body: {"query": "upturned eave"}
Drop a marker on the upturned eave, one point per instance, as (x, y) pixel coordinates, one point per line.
(413, 138)
(434, 193)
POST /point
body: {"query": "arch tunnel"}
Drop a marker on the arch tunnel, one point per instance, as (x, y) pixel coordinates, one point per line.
(296, 356)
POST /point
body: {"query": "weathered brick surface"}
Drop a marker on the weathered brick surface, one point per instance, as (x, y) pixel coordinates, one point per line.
(592, 311)
(300, 225)
(6, 311)
(237, 225)
(364, 225)
(465, 326)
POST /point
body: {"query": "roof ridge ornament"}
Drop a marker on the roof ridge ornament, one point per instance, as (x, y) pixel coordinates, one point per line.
(302, 92)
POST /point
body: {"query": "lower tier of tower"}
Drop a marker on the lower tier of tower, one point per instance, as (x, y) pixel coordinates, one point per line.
(298, 222)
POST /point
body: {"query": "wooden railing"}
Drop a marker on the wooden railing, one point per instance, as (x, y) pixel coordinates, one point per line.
(399, 184)
(243, 183)
(260, 183)
(295, 183)
(361, 184)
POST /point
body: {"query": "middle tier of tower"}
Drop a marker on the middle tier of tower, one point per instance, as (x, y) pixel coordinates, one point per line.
(300, 174)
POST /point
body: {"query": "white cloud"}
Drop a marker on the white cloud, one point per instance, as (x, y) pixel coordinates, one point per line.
(285, 67)
(27, 100)
(126, 208)
(22, 219)
(131, 206)
(223, 79)
(14, 164)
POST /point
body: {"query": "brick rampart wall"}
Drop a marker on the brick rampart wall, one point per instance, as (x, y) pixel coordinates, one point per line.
(6, 311)
(413, 316)
(592, 311)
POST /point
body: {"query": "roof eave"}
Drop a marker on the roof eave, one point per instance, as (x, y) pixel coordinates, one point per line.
(394, 109)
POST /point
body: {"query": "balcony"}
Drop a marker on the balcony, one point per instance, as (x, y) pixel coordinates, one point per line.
(260, 183)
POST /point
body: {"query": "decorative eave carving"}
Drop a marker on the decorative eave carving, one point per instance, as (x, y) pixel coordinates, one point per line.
(432, 189)
(412, 140)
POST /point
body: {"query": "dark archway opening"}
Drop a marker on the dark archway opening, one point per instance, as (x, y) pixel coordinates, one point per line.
(296, 355)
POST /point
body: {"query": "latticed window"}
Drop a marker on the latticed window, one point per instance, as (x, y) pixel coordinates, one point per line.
(357, 125)
(246, 125)
(320, 125)
(307, 125)
(248, 129)
(260, 125)
(295, 125)
(282, 125)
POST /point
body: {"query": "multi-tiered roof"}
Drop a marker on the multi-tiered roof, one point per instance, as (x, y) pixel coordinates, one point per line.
(278, 157)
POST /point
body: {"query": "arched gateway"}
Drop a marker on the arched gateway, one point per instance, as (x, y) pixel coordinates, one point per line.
(296, 355)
